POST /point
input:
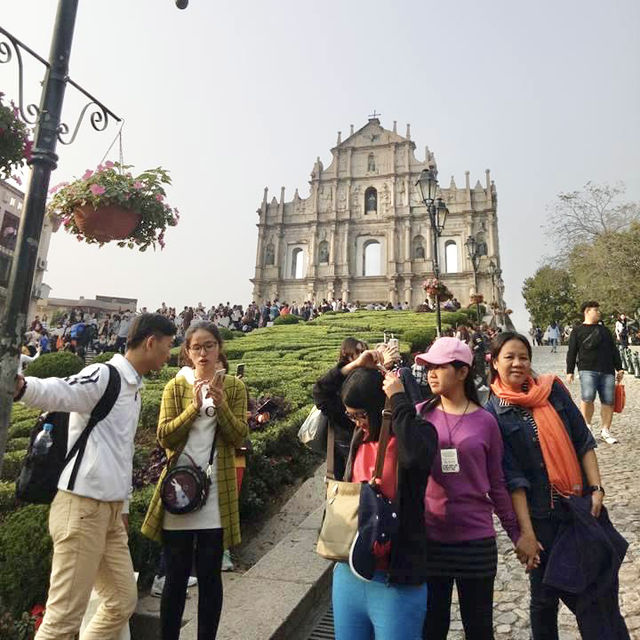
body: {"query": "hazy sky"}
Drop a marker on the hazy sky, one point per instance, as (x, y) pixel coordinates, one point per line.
(235, 96)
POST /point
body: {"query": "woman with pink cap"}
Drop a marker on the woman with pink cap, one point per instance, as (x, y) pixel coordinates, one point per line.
(465, 487)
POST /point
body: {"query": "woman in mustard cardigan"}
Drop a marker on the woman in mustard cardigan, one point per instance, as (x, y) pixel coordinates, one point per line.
(193, 408)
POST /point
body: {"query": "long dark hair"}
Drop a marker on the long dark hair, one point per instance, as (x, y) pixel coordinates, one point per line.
(363, 390)
(350, 349)
(470, 391)
(499, 341)
(205, 325)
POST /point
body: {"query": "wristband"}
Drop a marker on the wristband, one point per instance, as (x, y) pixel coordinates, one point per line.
(596, 487)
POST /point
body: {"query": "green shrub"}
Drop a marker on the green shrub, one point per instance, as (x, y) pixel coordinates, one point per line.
(60, 365)
(7, 497)
(226, 334)
(22, 429)
(104, 357)
(25, 558)
(150, 410)
(419, 339)
(287, 319)
(144, 552)
(17, 444)
(11, 465)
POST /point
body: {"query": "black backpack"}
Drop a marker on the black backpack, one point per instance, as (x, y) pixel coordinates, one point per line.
(39, 475)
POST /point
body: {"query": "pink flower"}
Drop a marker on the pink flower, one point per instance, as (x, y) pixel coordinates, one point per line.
(100, 167)
(87, 174)
(159, 197)
(109, 164)
(161, 241)
(28, 147)
(17, 179)
(137, 184)
(96, 189)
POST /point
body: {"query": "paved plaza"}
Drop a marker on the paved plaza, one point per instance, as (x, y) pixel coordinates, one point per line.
(620, 469)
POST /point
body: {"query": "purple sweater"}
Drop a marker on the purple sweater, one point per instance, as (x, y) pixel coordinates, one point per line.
(459, 506)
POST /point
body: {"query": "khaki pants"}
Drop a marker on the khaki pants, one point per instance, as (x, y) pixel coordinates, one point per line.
(90, 548)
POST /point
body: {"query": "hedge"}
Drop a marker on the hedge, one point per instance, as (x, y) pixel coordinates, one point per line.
(104, 356)
(287, 319)
(59, 364)
(18, 444)
(7, 497)
(25, 558)
(419, 339)
(11, 465)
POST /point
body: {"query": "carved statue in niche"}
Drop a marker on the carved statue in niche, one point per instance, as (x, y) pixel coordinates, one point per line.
(323, 252)
(355, 197)
(371, 204)
(419, 252)
(342, 198)
(482, 248)
(371, 163)
(386, 197)
(317, 168)
(269, 254)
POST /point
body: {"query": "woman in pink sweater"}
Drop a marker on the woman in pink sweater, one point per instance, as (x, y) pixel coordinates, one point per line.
(465, 487)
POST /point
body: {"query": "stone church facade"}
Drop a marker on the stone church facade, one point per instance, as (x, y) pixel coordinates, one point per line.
(363, 234)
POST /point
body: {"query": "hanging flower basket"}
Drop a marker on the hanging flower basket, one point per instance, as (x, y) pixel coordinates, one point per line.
(15, 146)
(437, 289)
(477, 298)
(106, 223)
(111, 204)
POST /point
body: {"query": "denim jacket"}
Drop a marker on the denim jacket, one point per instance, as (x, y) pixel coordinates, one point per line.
(522, 461)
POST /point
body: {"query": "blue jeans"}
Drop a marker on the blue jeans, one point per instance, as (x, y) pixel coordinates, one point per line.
(603, 383)
(374, 610)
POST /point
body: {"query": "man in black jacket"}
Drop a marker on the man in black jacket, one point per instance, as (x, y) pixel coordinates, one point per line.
(599, 365)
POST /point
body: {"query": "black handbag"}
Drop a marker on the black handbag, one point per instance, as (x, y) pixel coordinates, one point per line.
(185, 487)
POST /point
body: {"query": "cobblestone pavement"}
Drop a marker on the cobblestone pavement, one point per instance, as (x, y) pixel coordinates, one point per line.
(620, 469)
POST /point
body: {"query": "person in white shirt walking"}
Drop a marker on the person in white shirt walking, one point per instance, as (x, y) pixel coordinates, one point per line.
(87, 525)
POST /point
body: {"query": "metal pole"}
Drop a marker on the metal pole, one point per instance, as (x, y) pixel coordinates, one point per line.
(475, 286)
(44, 160)
(436, 266)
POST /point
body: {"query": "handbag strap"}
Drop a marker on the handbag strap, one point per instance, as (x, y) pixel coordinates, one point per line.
(331, 441)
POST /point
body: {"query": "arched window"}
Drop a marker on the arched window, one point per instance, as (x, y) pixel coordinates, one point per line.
(297, 263)
(371, 258)
(323, 252)
(451, 257)
(370, 201)
(418, 248)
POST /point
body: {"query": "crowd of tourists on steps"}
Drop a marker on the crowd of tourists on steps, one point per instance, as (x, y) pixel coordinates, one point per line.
(417, 466)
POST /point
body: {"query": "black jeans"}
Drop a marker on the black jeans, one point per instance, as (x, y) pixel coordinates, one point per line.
(178, 548)
(476, 607)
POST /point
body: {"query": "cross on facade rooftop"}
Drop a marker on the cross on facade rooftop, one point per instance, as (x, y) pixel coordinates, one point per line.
(374, 115)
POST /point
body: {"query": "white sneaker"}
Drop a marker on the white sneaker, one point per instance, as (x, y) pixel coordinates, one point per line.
(192, 582)
(227, 563)
(607, 437)
(157, 586)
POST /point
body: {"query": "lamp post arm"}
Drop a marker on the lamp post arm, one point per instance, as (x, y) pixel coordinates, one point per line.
(44, 160)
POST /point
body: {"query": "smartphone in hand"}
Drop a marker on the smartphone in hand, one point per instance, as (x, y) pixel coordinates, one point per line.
(218, 378)
(240, 370)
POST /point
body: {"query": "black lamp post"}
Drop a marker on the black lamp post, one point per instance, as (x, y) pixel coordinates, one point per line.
(436, 208)
(48, 132)
(474, 255)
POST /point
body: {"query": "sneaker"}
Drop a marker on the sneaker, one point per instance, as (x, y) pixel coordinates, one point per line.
(227, 563)
(192, 582)
(607, 437)
(157, 586)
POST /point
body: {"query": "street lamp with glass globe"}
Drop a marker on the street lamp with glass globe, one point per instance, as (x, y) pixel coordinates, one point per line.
(436, 208)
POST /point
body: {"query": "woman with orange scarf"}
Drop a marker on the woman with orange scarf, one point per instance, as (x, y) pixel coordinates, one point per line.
(548, 454)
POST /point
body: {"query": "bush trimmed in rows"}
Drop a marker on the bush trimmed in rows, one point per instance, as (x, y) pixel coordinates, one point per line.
(227, 334)
(25, 558)
(7, 497)
(17, 444)
(150, 410)
(419, 339)
(11, 465)
(287, 319)
(59, 364)
(104, 357)
(22, 429)
(144, 552)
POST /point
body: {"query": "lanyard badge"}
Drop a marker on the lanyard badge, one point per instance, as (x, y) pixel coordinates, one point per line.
(449, 458)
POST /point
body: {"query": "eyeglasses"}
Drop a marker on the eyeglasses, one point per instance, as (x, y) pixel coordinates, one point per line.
(207, 348)
(357, 416)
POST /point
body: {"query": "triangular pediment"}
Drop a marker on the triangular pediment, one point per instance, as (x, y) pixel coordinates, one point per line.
(372, 133)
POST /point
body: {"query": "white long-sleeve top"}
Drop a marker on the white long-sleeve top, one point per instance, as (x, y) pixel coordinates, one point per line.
(106, 468)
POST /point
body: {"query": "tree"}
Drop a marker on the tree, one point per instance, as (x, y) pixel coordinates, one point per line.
(580, 217)
(608, 270)
(550, 295)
